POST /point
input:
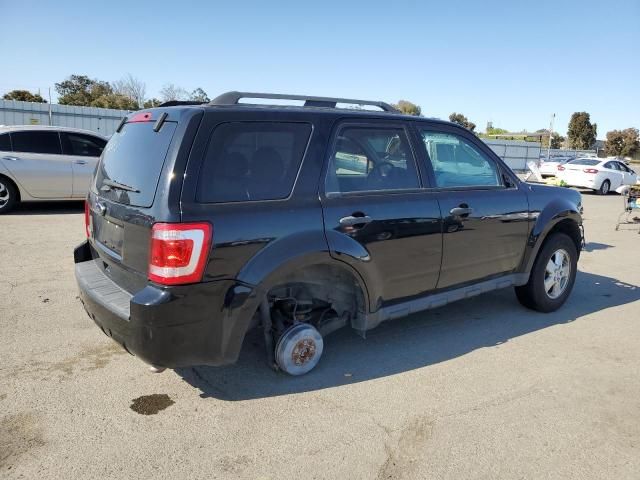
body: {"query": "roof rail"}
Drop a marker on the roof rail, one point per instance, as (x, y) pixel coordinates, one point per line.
(173, 103)
(232, 98)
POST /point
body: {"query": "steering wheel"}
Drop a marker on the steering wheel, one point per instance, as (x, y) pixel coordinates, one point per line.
(380, 173)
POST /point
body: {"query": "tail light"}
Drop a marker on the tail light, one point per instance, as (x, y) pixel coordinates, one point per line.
(561, 168)
(87, 219)
(179, 252)
(590, 170)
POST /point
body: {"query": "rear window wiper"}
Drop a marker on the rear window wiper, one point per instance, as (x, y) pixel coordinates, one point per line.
(109, 184)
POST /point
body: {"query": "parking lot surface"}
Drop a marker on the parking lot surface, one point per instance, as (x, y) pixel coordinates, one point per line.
(479, 389)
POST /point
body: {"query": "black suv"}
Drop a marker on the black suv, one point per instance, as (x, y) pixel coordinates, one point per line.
(204, 221)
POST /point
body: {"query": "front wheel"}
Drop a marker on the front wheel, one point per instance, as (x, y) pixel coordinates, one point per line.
(552, 276)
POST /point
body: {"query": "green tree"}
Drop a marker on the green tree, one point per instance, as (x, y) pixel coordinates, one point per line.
(408, 108)
(199, 95)
(460, 119)
(581, 133)
(622, 143)
(81, 90)
(115, 100)
(24, 96)
(151, 103)
(557, 140)
(495, 130)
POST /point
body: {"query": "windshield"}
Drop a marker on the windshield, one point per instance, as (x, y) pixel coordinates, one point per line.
(131, 163)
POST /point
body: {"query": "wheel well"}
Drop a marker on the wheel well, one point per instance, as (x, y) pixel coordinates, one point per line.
(570, 228)
(327, 283)
(7, 179)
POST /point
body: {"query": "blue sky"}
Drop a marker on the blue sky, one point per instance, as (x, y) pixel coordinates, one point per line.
(512, 63)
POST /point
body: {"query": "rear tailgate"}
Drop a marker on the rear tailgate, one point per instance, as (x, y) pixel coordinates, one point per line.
(137, 183)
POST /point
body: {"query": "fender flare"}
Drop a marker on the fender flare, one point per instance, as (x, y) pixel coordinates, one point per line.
(559, 210)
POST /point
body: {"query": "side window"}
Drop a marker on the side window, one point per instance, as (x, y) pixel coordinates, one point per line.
(5, 143)
(370, 159)
(623, 167)
(458, 163)
(82, 145)
(252, 161)
(611, 166)
(36, 142)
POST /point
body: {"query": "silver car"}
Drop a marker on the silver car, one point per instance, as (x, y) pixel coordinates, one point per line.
(46, 163)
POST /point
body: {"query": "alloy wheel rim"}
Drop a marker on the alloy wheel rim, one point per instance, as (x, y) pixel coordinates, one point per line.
(4, 195)
(605, 187)
(556, 274)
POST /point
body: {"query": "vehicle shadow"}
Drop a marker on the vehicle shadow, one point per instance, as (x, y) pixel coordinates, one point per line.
(45, 208)
(405, 344)
(593, 246)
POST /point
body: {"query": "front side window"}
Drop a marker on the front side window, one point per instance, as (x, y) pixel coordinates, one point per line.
(36, 142)
(5, 143)
(82, 145)
(371, 159)
(252, 161)
(458, 163)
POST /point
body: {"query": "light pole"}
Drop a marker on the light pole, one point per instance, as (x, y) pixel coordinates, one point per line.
(553, 116)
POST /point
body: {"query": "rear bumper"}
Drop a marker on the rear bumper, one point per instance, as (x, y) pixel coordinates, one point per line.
(200, 324)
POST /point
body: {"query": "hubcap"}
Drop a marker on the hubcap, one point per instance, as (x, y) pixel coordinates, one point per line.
(605, 187)
(4, 195)
(556, 274)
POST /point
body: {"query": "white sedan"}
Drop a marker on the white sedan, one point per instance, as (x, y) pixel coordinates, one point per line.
(549, 168)
(600, 174)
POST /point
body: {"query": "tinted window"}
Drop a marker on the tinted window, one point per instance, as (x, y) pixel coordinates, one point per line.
(82, 145)
(370, 159)
(252, 161)
(623, 167)
(458, 163)
(584, 161)
(134, 157)
(5, 143)
(36, 142)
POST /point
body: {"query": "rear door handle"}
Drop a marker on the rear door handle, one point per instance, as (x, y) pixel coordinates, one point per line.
(351, 221)
(13, 159)
(459, 211)
(80, 162)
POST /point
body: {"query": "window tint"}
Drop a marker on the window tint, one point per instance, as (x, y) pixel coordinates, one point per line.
(82, 145)
(611, 166)
(369, 159)
(458, 163)
(252, 161)
(36, 142)
(134, 157)
(5, 143)
(623, 167)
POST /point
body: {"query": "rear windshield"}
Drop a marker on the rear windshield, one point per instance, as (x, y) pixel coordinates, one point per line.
(131, 163)
(584, 161)
(252, 161)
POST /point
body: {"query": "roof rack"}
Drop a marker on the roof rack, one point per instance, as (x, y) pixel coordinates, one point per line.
(232, 98)
(173, 103)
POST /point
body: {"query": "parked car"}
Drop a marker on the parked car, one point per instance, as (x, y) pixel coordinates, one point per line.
(205, 221)
(601, 175)
(549, 168)
(46, 163)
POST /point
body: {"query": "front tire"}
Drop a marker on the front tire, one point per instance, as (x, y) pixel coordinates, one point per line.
(8, 195)
(552, 276)
(605, 188)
